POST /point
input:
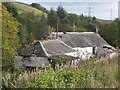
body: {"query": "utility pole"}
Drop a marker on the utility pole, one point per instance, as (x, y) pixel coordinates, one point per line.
(96, 29)
(57, 28)
(74, 26)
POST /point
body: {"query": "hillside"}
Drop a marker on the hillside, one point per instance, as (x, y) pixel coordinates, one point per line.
(24, 8)
(24, 13)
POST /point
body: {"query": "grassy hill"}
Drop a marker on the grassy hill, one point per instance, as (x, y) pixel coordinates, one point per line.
(24, 8)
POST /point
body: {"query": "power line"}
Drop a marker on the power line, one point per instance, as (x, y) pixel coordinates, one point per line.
(90, 10)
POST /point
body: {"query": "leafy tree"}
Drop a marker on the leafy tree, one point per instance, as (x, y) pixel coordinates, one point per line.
(26, 37)
(109, 32)
(41, 29)
(33, 28)
(52, 18)
(10, 45)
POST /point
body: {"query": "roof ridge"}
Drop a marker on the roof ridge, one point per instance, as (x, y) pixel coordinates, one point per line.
(65, 44)
(72, 32)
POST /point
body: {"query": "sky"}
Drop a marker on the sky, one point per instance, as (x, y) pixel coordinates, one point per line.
(102, 9)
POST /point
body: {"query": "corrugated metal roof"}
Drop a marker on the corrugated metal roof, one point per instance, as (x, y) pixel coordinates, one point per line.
(96, 39)
(55, 47)
(81, 39)
(75, 40)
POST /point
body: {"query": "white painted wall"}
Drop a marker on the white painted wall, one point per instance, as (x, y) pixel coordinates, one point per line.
(83, 53)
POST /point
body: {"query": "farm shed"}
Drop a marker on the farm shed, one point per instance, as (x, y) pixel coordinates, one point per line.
(86, 44)
(70, 44)
(38, 54)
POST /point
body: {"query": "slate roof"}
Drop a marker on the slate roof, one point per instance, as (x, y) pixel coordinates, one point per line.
(56, 47)
(82, 39)
(96, 39)
(46, 48)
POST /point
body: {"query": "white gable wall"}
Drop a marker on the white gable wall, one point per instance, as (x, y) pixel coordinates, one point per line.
(83, 53)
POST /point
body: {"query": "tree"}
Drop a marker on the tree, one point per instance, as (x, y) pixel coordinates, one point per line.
(41, 29)
(34, 27)
(26, 33)
(109, 32)
(52, 19)
(10, 45)
(61, 13)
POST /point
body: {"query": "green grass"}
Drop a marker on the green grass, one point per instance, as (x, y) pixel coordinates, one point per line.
(22, 8)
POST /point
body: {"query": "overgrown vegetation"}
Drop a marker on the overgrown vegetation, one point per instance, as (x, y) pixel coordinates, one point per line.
(103, 74)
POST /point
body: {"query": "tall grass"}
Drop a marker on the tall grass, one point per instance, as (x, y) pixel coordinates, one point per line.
(103, 74)
(18, 79)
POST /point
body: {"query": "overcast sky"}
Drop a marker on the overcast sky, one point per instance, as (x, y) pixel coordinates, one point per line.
(100, 8)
